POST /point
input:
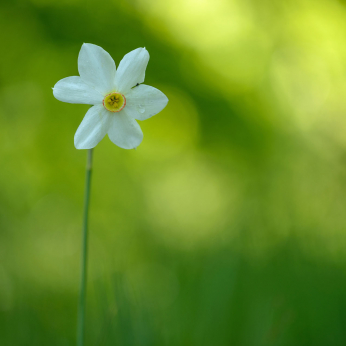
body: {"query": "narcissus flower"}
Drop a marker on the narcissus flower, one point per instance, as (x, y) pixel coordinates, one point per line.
(117, 96)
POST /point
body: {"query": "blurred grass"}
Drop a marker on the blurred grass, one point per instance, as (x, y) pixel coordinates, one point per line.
(227, 225)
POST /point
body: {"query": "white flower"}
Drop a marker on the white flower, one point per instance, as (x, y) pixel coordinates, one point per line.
(117, 96)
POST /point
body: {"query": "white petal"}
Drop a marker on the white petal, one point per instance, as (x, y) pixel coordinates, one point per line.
(74, 90)
(96, 67)
(144, 101)
(124, 131)
(93, 128)
(131, 70)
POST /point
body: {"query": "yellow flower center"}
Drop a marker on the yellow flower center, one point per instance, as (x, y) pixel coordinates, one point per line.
(114, 102)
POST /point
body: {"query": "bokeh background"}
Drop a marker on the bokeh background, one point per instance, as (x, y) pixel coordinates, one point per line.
(227, 226)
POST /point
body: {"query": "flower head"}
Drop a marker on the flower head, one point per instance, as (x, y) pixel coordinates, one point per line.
(117, 97)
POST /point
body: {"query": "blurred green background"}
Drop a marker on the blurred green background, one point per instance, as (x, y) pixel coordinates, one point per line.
(227, 225)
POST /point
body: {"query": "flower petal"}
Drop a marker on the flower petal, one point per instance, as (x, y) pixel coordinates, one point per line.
(144, 101)
(125, 131)
(131, 70)
(74, 90)
(96, 67)
(93, 128)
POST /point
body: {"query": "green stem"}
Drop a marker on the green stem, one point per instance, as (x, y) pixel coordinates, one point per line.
(82, 294)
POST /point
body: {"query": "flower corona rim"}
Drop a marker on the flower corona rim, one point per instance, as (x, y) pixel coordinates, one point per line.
(114, 102)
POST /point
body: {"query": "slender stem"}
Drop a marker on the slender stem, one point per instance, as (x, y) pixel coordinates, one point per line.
(84, 257)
